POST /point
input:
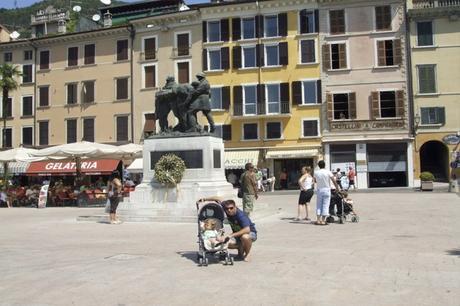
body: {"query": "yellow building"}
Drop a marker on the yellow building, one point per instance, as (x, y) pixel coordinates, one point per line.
(262, 61)
(435, 46)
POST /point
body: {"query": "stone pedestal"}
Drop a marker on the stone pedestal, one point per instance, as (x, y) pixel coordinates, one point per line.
(204, 177)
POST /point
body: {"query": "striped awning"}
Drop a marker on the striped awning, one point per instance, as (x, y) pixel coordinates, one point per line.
(292, 153)
(16, 167)
(237, 159)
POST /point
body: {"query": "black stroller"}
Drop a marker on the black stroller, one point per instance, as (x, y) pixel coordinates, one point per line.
(341, 209)
(211, 211)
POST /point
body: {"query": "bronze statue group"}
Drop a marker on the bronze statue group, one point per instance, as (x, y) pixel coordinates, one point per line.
(185, 101)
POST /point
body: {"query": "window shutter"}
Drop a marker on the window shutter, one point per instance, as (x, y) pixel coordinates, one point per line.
(375, 107)
(381, 53)
(149, 125)
(425, 115)
(225, 58)
(205, 59)
(283, 53)
(326, 57)
(342, 56)
(400, 103)
(183, 72)
(122, 128)
(88, 130)
(303, 21)
(330, 106)
(352, 105)
(441, 115)
(284, 95)
(319, 92)
(44, 59)
(317, 21)
(297, 92)
(224, 33)
(205, 31)
(260, 26)
(237, 100)
(282, 24)
(44, 96)
(226, 132)
(89, 54)
(236, 53)
(397, 52)
(261, 99)
(260, 55)
(236, 29)
(226, 97)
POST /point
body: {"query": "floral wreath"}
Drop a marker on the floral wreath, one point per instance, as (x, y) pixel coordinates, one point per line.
(169, 170)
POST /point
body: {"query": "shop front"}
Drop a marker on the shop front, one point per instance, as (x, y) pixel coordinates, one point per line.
(236, 160)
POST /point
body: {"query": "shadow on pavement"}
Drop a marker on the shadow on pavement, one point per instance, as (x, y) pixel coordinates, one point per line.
(454, 252)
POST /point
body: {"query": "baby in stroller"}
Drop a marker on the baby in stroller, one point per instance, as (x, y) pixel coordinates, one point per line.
(211, 237)
(341, 206)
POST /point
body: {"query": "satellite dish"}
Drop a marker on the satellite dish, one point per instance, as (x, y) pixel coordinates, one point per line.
(76, 8)
(106, 2)
(15, 35)
(96, 17)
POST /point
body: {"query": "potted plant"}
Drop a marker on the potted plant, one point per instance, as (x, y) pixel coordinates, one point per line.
(426, 179)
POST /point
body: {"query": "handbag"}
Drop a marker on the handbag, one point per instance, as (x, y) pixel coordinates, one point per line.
(240, 193)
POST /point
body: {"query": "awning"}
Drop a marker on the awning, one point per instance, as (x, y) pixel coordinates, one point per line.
(88, 167)
(237, 159)
(136, 166)
(15, 167)
(291, 153)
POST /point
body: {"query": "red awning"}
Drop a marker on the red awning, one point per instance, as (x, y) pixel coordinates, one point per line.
(68, 167)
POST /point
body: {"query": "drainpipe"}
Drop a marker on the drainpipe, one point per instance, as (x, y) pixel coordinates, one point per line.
(34, 142)
(410, 90)
(132, 35)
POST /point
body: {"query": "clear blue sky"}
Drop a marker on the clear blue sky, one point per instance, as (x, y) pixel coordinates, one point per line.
(23, 3)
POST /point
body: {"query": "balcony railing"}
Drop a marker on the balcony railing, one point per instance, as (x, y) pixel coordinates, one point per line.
(260, 109)
(181, 51)
(49, 17)
(424, 4)
(148, 55)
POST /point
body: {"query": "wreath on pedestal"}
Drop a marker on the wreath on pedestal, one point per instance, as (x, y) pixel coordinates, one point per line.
(169, 170)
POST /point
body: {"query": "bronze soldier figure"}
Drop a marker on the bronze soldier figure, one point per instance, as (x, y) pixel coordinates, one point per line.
(198, 100)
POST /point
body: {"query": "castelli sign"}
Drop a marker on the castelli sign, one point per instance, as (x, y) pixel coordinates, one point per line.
(70, 165)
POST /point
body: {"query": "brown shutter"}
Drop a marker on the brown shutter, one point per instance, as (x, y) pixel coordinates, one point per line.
(297, 92)
(149, 72)
(381, 53)
(260, 55)
(337, 21)
(183, 44)
(237, 100)
(72, 59)
(149, 125)
(226, 97)
(397, 52)
(319, 92)
(44, 59)
(342, 56)
(122, 89)
(283, 53)
(375, 111)
(149, 48)
(90, 51)
(378, 18)
(400, 110)
(44, 96)
(205, 59)
(326, 57)
(122, 50)
(352, 105)
(226, 132)
(183, 73)
(88, 130)
(225, 58)
(284, 95)
(282, 24)
(261, 105)
(224, 31)
(122, 128)
(236, 53)
(205, 31)
(236, 29)
(330, 106)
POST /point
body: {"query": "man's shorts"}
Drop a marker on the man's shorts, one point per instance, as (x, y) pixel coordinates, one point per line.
(251, 234)
(248, 202)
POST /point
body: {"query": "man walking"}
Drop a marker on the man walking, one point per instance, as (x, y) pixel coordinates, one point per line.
(323, 179)
(351, 177)
(249, 186)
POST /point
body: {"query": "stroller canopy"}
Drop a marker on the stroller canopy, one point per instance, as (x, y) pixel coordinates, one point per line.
(211, 210)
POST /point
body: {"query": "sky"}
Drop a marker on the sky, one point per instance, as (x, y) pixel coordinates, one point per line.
(23, 3)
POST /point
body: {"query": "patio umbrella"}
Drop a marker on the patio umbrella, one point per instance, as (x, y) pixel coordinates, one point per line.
(17, 154)
(131, 149)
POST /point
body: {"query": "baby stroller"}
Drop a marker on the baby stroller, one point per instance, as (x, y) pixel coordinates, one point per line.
(340, 209)
(211, 211)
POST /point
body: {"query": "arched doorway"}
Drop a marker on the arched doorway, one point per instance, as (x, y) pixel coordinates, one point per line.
(434, 157)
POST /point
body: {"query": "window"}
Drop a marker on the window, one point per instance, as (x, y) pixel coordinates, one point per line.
(306, 92)
(250, 131)
(425, 33)
(43, 133)
(214, 31)
(216, 98)
(271, 55)
(90, 52)
(337, 22)
(8, 111)
(28, 54)
(72, 93)
(88, 92)
(122, 50)
(273, 98)
(7, 57)
(71, 130)
(27, 135)
(248, 28)
(387, 104)
(335, 56)
(8, 137)
(44, 60)
(383, 18)
(271, 26)
(122, 128)
(43, 94)
(149, 124)
(389, 52)
(27, 106)
(433, 115)
(183, 73)
(150, 48)
(341, 106)
(310, 128)
(183, 44)
(150, 76)
(72, 57)
(307, 51)
(214, 59)
(27, 74)
(307, 22)
(249, 56)
(250, 99)
(426, 79)
(122, 89)
(88, 129)
(273, 130)
(309, 92)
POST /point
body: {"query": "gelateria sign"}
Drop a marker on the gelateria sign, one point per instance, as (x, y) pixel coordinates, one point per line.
(364, 125)
(90, 167)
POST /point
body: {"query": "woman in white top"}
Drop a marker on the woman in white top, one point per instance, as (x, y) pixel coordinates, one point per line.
(306, 193)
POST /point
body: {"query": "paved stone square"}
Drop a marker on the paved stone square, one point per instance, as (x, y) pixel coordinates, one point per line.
(404, 251)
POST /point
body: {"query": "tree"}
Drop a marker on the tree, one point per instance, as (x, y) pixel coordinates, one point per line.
(8, 74)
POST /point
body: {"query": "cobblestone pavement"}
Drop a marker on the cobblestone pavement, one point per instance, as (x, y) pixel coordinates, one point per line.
(404, 251)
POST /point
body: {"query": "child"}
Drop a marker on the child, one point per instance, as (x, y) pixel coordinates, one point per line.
(211, 236)
(349, 201)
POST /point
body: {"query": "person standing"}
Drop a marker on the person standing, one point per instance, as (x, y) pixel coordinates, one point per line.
(306, 193)
(249, 186)
(114, 193)
(323, 179)
(283, 179)
(351, 177)
(338, 176)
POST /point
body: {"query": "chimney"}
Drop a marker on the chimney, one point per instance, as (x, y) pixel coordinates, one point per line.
(107, 20)
(62, 28)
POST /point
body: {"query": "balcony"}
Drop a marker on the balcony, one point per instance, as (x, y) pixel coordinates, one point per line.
(426, 4)
(181, 51)
(260, 109)
(148, 55)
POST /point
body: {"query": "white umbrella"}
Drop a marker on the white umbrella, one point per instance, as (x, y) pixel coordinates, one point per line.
(83, 149)
(17, 154)
(131, 149)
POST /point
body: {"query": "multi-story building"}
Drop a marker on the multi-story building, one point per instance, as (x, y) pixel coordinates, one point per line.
(435, 47)
(364, 82)
(262, 61)
(4, 34)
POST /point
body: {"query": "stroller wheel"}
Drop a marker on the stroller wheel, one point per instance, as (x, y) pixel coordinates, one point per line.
(200, 261)
(341, 220)
(355, 219)
(205, 262)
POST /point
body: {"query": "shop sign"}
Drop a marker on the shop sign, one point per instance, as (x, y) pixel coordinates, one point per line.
(70, 165)
(364, 125)
(451, 139)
